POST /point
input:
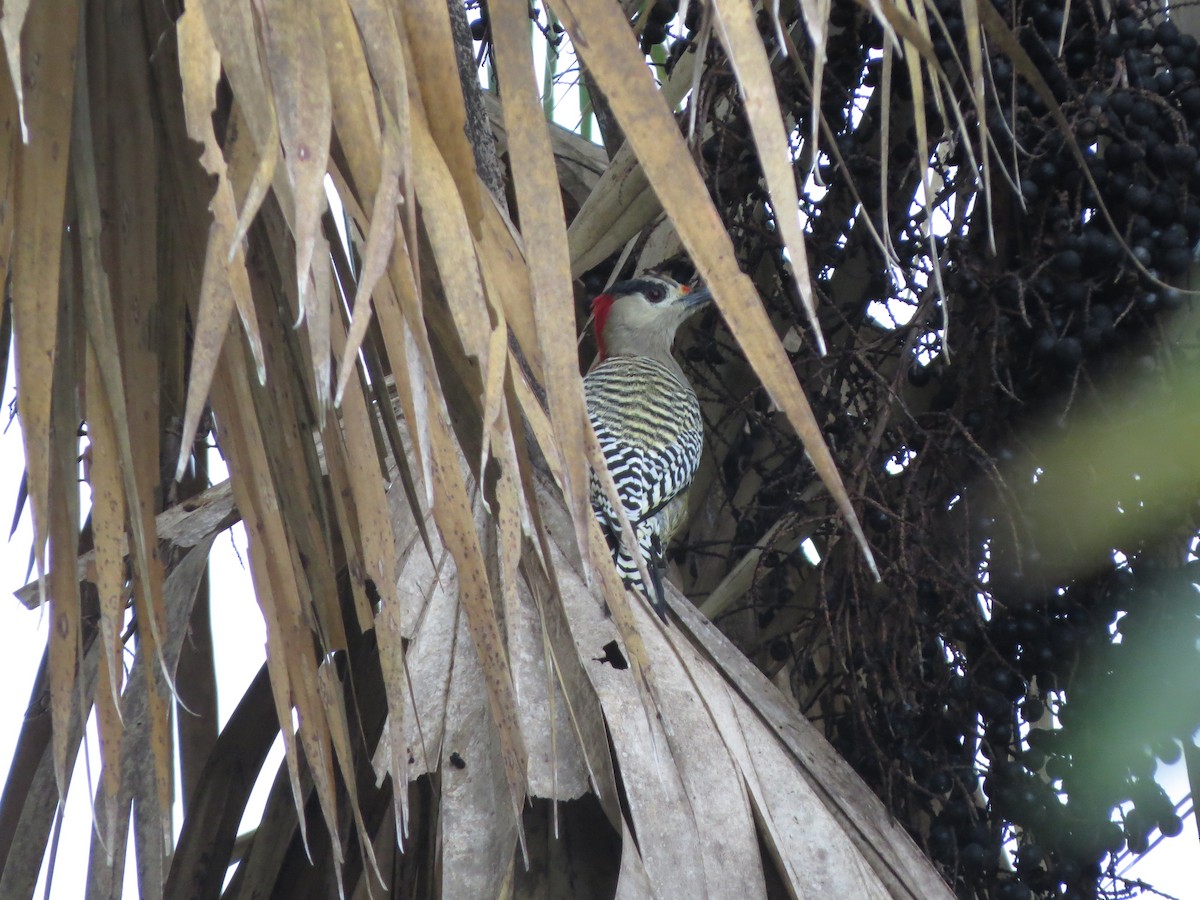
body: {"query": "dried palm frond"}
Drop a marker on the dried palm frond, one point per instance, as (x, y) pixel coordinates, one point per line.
(402, 417)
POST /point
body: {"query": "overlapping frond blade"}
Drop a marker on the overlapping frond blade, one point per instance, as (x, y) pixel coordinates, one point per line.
(399, 404)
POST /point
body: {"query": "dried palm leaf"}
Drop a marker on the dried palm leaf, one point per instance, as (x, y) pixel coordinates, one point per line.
(495, 675)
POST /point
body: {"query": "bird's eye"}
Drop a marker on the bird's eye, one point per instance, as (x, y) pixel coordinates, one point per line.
(655, 294)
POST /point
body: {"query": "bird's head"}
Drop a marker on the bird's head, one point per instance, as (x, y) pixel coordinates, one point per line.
(640, 317)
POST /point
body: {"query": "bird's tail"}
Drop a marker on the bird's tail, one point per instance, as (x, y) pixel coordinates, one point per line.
(651, 549)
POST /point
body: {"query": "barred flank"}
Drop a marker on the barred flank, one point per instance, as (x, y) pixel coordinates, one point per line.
(649, 427)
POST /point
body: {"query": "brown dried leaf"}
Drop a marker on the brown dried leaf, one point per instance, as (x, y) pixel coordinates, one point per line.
(478, 831)
(315, 737)
(879, 840)
(445, 219)
(431, 45)
(240, 158)
(294, 462)
(380, 237)
(411, 358)
(368, 488)
(352, 93)
(385, 45)
(339, 731)
(241, 439)
(667, 830)
(48, 76)
(100, 320)
(256, 193)
(66, 703)
(232, 26)
(281, 679)
(108, 529)
(974, 35)
(392, 662)
(161, 736)
(182, 526)
(543, 225)
(111, 730)
(898, 23)
(621, 203)
(402, 324)
(136, 435)
(224, 279)
(289, 609)
(426, 616)
(295, 57)
(502, 262)
(816, 20)
(376, 170)
(560, 712)
(389, 56)
(739, 33)
(452, 512)
(11, 23)
(319, 299)
(619, 206)
(496, 434)
(347, 525)
(179, 591)
(10, 142)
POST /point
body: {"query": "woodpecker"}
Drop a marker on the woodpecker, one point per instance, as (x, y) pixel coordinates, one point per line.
(647, 419)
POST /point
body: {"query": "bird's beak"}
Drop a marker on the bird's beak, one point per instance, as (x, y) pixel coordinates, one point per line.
(698, 297)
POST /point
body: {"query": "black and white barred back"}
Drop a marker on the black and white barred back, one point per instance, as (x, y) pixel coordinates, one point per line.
(649, 427)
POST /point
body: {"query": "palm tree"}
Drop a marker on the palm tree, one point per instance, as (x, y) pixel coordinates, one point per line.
(471, 704)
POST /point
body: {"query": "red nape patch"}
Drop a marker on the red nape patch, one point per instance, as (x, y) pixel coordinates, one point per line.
(601, 307)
